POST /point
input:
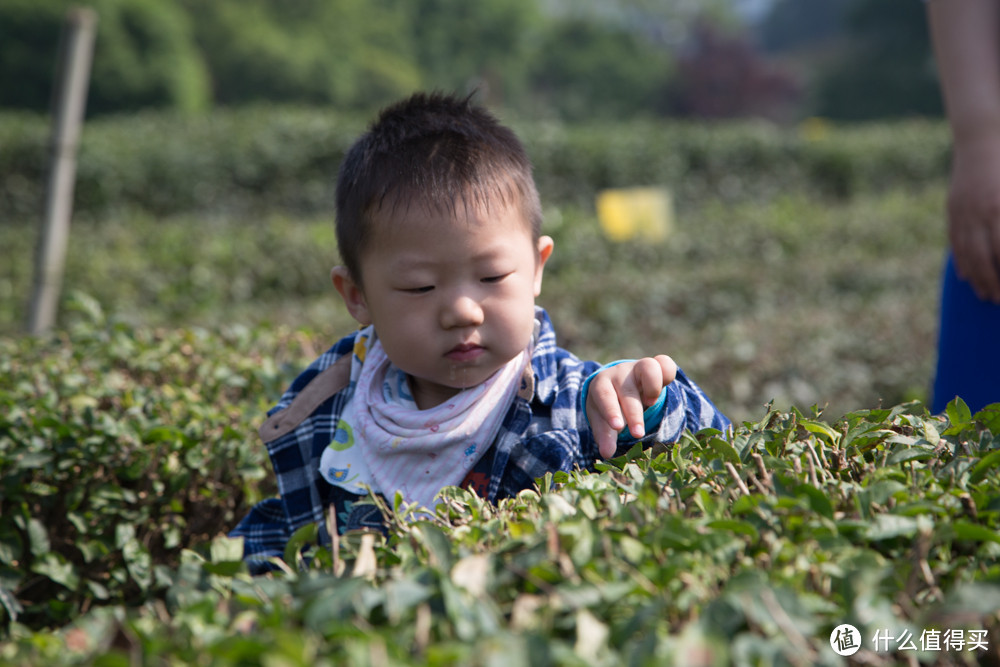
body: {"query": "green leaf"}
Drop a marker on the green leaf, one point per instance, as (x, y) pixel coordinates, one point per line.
(124, 533)
(959, 416)
(302, 537)
(879, 492)
(989, 417)
(163, 434)
(224, 569)
(631, 549)
(402, 597)
(99, 591)
(10, 603)
(38, 537)
(820, 428)
(889, 526)
(986, 464)
(82, 402)
(10, 547)
(966, 530)
(226, 549)
(58, 569)
(735, 526)
(92, 549)
(725, 450)
(973, 599)
(819, 502)
(437, 544)
(138, 562)
(906, 454)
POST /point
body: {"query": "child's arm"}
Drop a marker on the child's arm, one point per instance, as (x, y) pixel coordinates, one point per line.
(618, 396)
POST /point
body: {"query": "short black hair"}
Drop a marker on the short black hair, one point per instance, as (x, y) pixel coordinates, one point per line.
(436, 150)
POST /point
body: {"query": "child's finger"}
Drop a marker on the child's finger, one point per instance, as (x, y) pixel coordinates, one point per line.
(606, 438)
(631, 404)
(626, 398)
(669, 368)
(604, 415)
(649, 376)
(649, 380)
(605, 433)
(603, 398)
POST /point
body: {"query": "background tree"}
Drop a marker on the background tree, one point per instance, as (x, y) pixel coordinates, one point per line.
(144, 56)
(847, 59)
(887, 69)
(29, 40)
(796, 25)
(460, 45)
(593, 71)
(721, 75)
(861, 59)
(350, 53)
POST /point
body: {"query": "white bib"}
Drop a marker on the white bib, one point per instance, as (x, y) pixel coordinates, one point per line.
(385, 442)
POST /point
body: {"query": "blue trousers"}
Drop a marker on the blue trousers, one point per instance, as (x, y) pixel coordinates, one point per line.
(968, 362)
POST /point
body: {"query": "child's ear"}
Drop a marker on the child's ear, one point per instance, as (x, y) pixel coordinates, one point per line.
(545, 247)
(352, 295)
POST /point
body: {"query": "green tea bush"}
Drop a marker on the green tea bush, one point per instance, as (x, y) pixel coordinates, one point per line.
(235, 162)
(809, 276)
(24, 142)
(253, 160)
(798, 300)
(741, 549)
(735, 161)
(119, 447)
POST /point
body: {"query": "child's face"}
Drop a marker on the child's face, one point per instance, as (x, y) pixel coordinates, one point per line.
(451, 295)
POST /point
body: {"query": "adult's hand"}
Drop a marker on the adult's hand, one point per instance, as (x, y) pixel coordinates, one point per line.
(974, 215)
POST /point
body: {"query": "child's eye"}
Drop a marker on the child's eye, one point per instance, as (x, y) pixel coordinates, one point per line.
(418, 290)
(495, 279)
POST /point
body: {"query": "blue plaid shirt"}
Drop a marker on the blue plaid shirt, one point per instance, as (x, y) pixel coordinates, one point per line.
(545, 430)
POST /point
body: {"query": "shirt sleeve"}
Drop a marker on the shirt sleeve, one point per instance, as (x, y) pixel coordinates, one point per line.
(294, 457)
(688, 408)
(265, 532)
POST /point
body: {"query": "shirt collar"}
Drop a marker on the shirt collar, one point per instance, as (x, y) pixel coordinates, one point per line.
(543, 383)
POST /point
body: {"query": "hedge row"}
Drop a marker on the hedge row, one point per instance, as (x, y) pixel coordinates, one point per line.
(232, 162)
(125, 452)
(119, 447)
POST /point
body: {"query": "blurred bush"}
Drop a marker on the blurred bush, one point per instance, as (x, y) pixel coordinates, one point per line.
(801, 300)
(267, 158)
(121, 446)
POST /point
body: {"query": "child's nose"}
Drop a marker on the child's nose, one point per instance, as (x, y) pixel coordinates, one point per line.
(461, 311)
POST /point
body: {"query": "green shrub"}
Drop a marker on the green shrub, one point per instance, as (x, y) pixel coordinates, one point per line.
(343, 53)
(24, 156)
(267, 159)
(747, 549)
(798, 300)
(119, 447)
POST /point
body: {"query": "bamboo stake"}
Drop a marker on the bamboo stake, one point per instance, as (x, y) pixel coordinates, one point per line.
(75, 54)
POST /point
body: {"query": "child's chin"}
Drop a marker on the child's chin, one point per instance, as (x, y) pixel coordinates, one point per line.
(469, 378)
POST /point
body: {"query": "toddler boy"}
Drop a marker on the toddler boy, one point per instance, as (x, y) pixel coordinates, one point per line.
(455, 377)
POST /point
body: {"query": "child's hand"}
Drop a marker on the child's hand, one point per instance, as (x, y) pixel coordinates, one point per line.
(619, 395)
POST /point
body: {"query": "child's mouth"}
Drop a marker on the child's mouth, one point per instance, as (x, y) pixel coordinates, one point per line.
(465, 352)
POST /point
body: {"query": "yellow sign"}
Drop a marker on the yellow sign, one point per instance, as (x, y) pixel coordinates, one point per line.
(628, 213)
